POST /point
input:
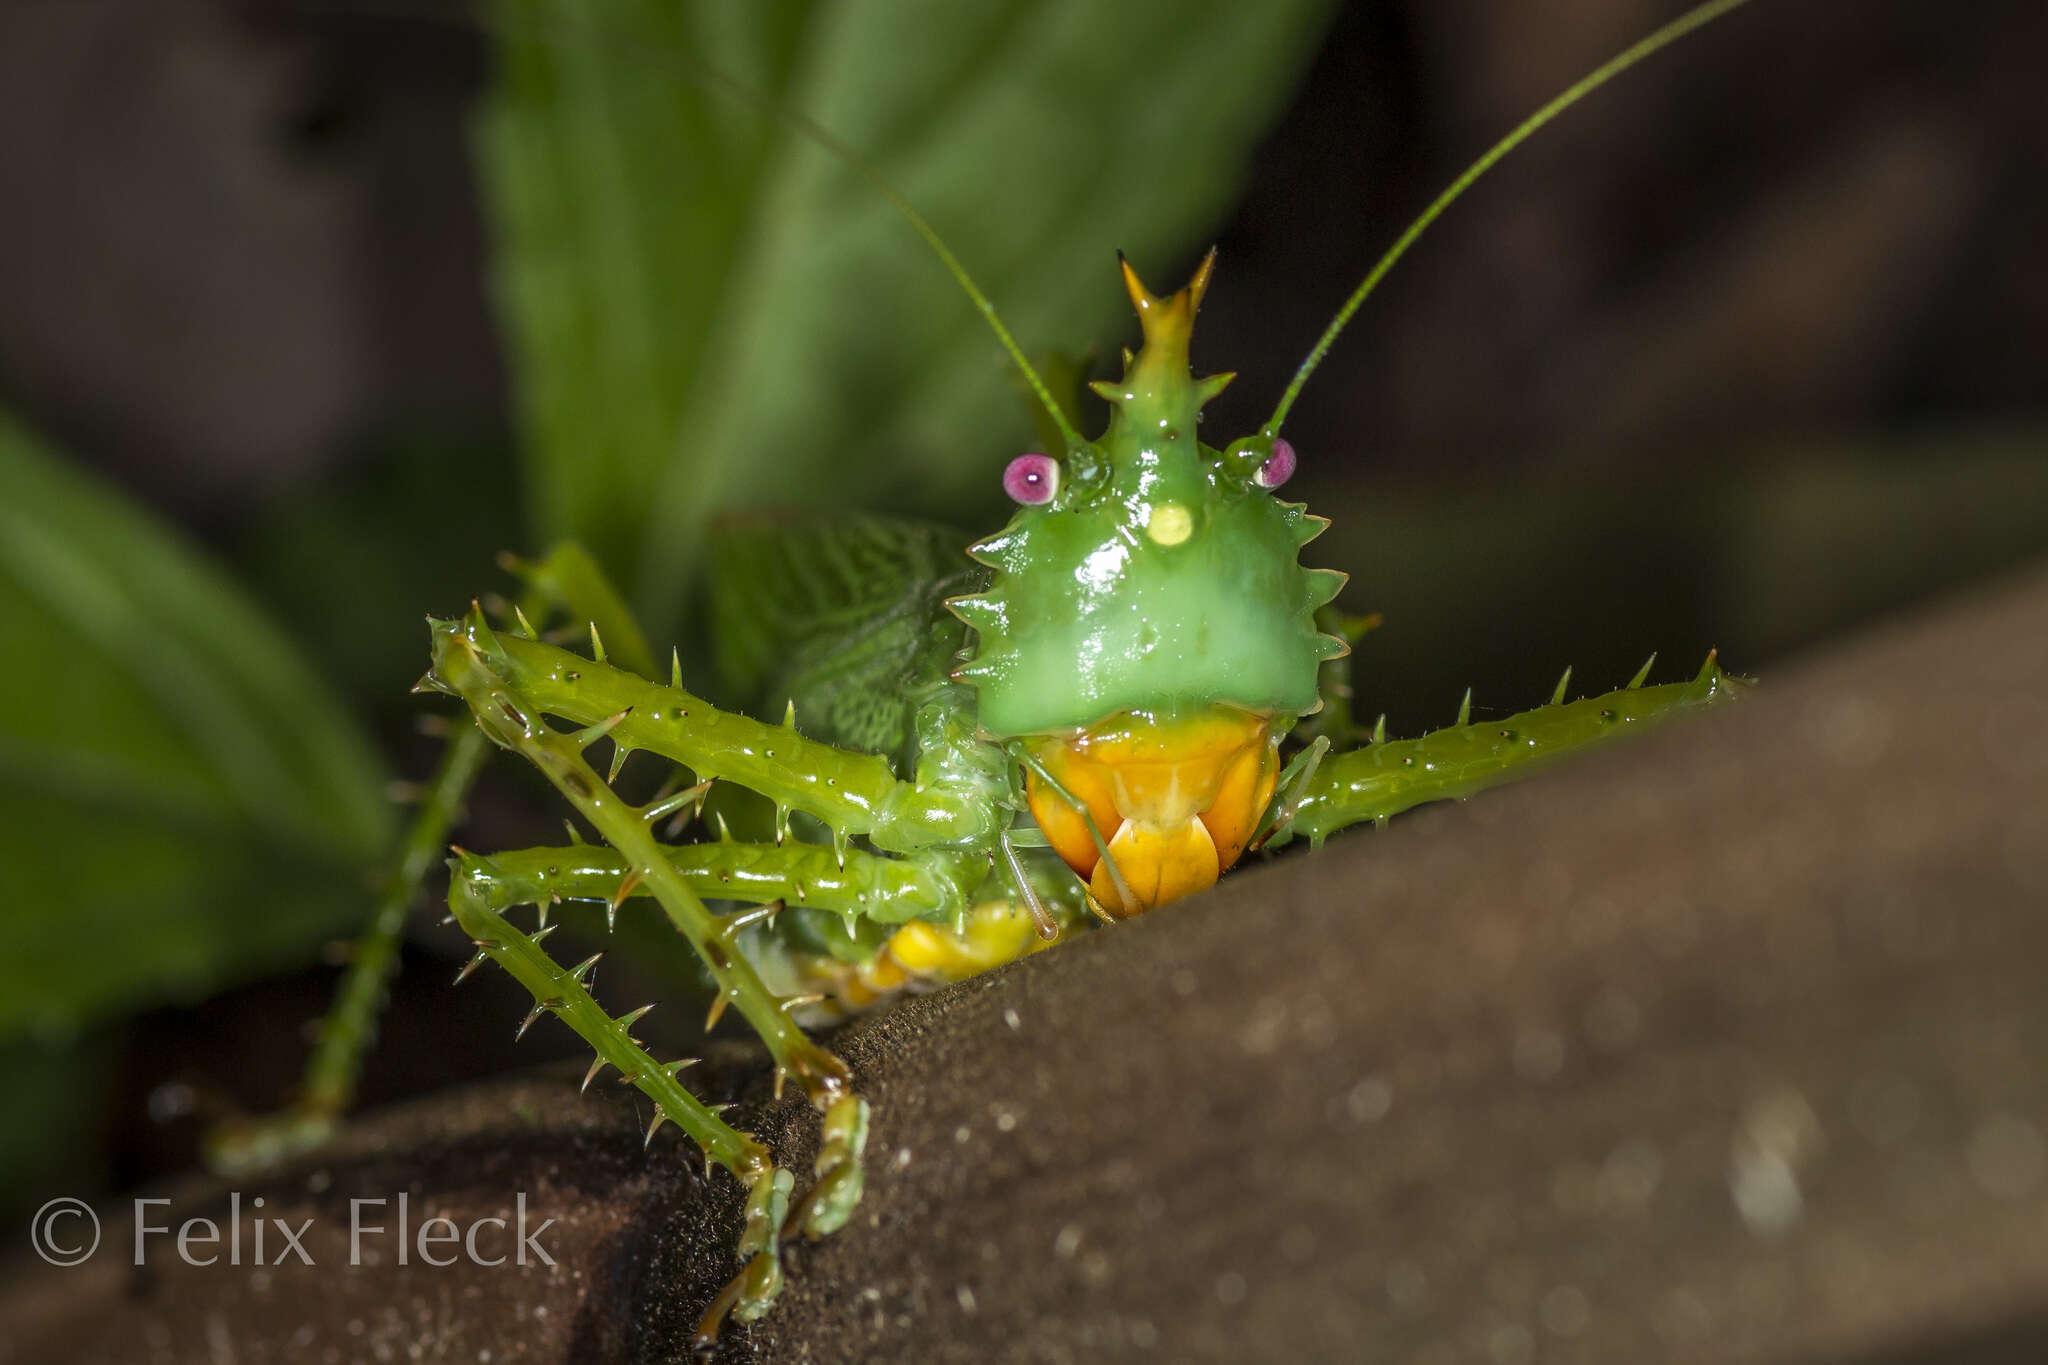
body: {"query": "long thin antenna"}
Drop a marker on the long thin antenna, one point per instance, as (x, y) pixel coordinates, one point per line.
(817, 133)
(1694, 18)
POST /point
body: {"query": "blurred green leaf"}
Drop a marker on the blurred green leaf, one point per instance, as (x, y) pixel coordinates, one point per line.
(56, 1110)
(707, 310)
(182, 802)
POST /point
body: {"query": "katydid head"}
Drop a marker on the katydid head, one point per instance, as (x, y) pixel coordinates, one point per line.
(1148, 571)
(1149, 631)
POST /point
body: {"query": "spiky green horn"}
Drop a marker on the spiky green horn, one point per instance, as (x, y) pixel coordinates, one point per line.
(1167, 323)
(1157, 389)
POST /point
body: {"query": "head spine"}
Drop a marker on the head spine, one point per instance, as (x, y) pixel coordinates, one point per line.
(1162, 577)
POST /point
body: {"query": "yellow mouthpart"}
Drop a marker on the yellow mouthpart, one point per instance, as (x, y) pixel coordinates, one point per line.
(1176, 797)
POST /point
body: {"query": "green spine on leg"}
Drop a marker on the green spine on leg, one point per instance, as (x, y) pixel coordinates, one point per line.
(855, 884)
(854, 793)
(346, 1032)
(471, 661)
(350, 1026)
(1387, 777)
(561, 991)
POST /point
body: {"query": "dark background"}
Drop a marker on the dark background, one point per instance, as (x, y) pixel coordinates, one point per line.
(243, 238)
(1745, 353)
(1777, 297)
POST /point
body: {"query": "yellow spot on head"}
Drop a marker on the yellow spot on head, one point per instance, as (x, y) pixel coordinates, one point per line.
(1169, 524)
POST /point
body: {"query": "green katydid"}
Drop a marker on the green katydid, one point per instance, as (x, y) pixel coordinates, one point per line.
(975, 747)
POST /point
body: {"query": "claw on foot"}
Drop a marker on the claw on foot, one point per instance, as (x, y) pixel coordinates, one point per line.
(824, 1209)
(746, 1299)
(753, 1291)
(841, 1177)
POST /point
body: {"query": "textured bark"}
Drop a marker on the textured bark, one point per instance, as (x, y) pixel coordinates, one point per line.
(1722, 1047)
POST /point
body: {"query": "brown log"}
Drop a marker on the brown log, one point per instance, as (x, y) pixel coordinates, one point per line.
(1726, 1046)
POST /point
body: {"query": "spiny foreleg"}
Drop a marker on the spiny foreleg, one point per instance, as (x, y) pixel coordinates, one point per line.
(950, 918)
(852, 793)
(565, 583)
(470, 662)
(467, 662)
(1386, 777)
(345, 1034)
(852, 882)
(564, 992)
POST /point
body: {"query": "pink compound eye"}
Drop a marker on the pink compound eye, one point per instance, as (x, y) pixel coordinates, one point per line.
(1278, 468)
(1032, 479)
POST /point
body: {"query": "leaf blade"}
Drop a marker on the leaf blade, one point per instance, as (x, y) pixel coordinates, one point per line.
(158, 739)
(799, 346)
